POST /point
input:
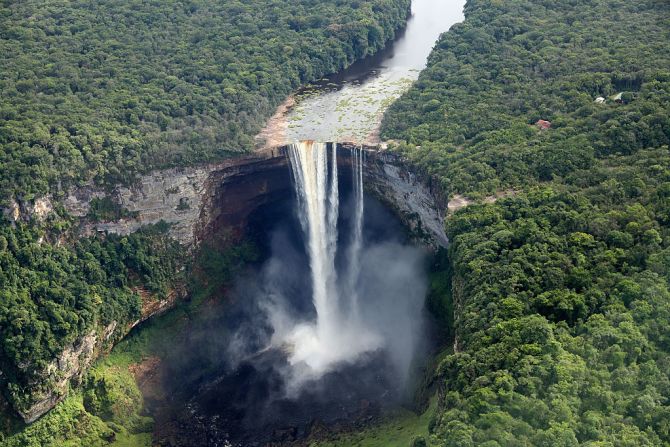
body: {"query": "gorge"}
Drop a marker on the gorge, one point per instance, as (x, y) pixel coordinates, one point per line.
(454, 239)
(215, 204)
(218, 204)
(328, 328)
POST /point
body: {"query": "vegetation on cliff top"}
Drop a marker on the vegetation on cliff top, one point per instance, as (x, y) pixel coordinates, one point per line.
(561, 291)
(53, 295)
(105, 90)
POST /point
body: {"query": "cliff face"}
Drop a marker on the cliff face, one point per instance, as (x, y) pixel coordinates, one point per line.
(172, 195)
(67, 368)
(38, 209)
(199, 202)
(71, 364)
(416, 198)
(186, 198)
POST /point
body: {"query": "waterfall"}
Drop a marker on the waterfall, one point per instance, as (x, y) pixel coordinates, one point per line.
(333, 210)
(337, 333)
(319, 221)
(356, 243)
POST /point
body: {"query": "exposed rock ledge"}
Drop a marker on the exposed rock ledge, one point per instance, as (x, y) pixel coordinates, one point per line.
(417, 198)
(195, 200)
(67, 368)
(178, 196)
(199, 201)
(38, 209)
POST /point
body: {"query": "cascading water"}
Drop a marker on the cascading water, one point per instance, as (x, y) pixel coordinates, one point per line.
(354, 251)
(319, 221)
(330, 320)
(337, 334)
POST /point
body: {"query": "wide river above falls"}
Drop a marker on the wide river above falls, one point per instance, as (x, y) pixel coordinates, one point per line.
(349, 106)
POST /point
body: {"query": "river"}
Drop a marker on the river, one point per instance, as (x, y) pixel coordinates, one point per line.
(290, 362)
(348, 106)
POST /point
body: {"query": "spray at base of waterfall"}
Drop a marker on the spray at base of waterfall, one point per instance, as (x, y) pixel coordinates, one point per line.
(332, 302)
(338, 334)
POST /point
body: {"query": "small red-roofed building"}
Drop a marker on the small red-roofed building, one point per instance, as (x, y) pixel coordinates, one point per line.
(543, 124)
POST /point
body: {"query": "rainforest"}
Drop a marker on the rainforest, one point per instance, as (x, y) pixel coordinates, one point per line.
(335, 223)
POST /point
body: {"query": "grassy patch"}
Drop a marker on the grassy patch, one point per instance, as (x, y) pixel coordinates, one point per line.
(399, 429)
(132, 440)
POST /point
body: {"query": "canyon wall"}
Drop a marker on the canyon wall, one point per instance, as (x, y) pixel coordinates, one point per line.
(416, 198)
(196, 201)
(65, 370)
(185, 198)
(200, 202)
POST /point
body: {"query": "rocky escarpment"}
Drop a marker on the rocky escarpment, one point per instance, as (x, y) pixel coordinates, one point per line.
(186, 198)
(172, 195)
(52, 383)
(416, 198)
(37, 209)
(64, 370)
(200, 202)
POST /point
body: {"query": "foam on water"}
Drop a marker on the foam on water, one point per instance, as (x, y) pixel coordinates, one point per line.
(337, 335)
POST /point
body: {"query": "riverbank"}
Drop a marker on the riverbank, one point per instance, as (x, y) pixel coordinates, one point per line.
(349, 105)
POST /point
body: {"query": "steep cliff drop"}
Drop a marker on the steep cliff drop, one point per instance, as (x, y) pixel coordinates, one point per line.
(322, 333)
(338, 334)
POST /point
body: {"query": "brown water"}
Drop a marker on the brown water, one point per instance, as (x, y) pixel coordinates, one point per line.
(348, 106)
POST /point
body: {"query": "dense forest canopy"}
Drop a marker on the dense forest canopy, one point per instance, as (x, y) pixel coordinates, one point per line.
(513, 63)
(53, 295)
(103, 90)
(106, 89)
(561, 290)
